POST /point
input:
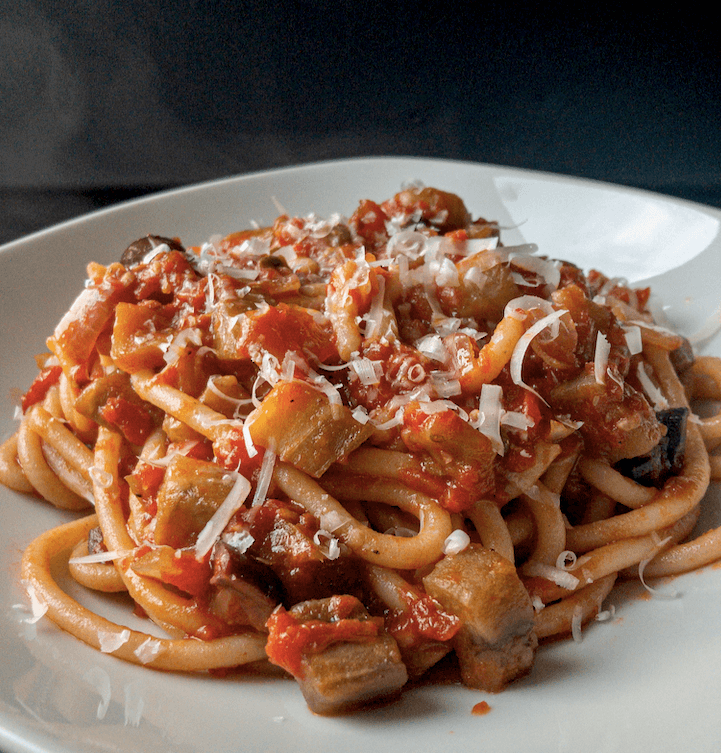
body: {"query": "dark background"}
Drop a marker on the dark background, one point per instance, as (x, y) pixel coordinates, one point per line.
(103, 100)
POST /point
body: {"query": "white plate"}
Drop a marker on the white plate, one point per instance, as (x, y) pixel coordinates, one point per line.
(650, 680)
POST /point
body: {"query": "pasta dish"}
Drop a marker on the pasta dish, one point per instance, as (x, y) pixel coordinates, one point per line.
(348, 449)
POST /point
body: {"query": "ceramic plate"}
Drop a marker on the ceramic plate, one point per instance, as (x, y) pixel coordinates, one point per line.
(648, 680)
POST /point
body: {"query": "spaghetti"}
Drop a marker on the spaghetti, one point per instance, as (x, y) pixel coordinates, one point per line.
(352, 448)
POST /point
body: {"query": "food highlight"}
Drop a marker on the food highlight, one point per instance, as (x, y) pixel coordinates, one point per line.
(351, 449)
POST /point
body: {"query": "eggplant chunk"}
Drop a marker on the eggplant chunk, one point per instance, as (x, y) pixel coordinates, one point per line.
(246, 591)
(337, 675)
(666, 458)
(346, 675)
(496, 643)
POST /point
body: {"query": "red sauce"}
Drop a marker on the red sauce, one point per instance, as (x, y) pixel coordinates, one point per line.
(480, 709)
(40, 386)
(131, 419)
(187, 574)
(290, 639)
(286, 328)
(424, 618)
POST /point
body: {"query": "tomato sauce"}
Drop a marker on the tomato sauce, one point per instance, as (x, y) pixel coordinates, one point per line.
(289, 639)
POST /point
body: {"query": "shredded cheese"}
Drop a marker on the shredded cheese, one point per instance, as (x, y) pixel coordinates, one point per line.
(456, 542)
(214, 527)
(519, 352)
(600, 358)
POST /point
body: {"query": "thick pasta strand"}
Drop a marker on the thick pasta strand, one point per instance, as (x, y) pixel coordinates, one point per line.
(160, 653)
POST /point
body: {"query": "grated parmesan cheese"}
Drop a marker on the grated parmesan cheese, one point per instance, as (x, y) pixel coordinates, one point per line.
(456, 542)
(214, 527)
(600, 358)
(519, 352)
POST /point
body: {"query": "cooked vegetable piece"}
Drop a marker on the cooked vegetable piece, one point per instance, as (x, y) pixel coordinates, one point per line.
(340, 656)
(191, 492)
(176, 567)
(420, 626)
(286, 538)
(462, 456)
(496, 642)
(246, 590)
(111, 402)
(280, 329)
(305, 429)
(666, 458)
(137, 250)
(139, 340)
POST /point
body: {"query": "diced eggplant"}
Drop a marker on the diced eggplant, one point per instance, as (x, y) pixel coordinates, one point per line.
(683, 357)
(305, 429)
(111, 402)
(666, 458)
(496, 643)
(285, 539)
(347, 675)
(189, 495)
(136, 251)
(246, 590)
(341, 657)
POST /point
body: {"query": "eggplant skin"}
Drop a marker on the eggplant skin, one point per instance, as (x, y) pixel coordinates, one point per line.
(347, 674)
(496, 643)
(137, 250)
(666, 458)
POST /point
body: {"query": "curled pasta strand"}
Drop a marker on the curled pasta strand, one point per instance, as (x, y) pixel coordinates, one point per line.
(681, 558)
(98, 576)
(610, 482)
(584, 604)
(83, 427)
(550, 526)
(493, 356)
(374, 461)
(11, 472)
(39, 473)
(378, 548)
(706, 378)
(492, 528)
(178, 404)
(69, 615)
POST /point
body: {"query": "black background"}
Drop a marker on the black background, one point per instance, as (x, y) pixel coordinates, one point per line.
(105, 100)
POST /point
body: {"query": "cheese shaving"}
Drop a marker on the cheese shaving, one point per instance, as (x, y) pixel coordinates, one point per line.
(265, 476)
(600, 358)
(240, 541)
(556, 575)
(519, 352)
(110, 640)
(653, 392)
(99, 557)
(327, 543)
(490, 410)
(148, 650)
(633, 339)
(214, 527)
(456, 542)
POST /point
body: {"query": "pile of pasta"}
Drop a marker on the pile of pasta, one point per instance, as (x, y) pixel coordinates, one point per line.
(354, 447)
